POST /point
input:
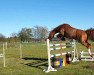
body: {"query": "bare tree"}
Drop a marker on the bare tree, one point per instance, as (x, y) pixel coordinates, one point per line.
(14, 35)
(40, 32)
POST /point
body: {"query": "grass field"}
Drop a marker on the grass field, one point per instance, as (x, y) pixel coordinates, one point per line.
(35, 60)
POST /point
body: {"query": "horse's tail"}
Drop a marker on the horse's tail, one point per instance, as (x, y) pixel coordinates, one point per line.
(90, 34)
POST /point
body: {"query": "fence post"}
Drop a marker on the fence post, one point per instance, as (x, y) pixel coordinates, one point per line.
(20, 50)
(4, 54)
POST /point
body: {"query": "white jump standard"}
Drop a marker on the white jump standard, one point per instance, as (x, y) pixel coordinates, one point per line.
(75, 52)
(50, 68)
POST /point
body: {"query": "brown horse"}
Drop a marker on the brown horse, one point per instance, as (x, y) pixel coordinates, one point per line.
(66, 31)
(90, 33)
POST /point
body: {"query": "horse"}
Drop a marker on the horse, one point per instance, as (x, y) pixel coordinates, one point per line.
(66, 31)
(90, 33)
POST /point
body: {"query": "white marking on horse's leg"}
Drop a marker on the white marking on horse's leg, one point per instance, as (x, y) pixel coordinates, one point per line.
(89, 51)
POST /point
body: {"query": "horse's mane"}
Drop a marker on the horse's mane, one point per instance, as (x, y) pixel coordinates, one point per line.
(58, 27)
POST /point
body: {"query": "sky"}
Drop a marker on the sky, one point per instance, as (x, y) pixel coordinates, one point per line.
(17, 14)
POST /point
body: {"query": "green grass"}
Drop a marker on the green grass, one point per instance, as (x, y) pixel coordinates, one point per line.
(35, 60)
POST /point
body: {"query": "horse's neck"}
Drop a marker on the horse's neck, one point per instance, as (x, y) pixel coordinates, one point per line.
(70, 32)
(69, 29)
(53, 32)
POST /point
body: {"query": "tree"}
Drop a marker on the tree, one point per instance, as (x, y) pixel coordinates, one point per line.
(25, 34)
(13, 37)
(40, 32)
(14, 34)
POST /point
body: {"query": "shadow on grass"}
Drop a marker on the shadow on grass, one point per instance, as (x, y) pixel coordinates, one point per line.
(89, 67)
(39, 63)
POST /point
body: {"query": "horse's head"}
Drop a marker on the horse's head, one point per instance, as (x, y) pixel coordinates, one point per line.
(61, 37)
(51, 35)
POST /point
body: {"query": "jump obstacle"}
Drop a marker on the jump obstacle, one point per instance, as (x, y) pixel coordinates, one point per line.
(86, 57)
(57, 47)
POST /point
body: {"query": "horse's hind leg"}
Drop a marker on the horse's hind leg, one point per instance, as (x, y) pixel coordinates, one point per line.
(86, 44)
(89, 48)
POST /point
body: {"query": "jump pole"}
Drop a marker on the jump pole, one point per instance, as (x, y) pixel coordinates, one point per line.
(85, 56)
